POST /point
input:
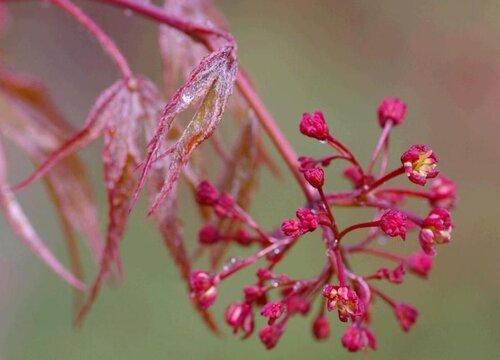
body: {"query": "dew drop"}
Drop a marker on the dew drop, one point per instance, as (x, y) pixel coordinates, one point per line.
(231, 262)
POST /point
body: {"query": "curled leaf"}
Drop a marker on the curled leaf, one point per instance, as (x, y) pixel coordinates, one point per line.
(211, 83)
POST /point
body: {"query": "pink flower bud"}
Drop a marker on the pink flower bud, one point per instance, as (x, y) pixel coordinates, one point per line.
(240, 316)
(208, 235)
(270, 335)
(203, 290)
(358, 338)
(224, 207)
(315, 177)
(206, 193)
(314, 125)
(273, 311)
(420, 164)
(307, 219)
(253, 293)
(419, 263)
(393, 223)
(406, 314)
(443, 193)
(243, 237)
(290, 227)
(391, 109)
(321, 328)
(436, 229)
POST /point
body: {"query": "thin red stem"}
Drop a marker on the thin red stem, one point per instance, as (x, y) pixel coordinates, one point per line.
(379, 253)
(383, 296)
(106, 42)
(415, 193)
(387, 177)
(358, 226)
(381, 141)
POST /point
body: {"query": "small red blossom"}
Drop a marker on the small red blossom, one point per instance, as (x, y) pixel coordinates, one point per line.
(203, 290)
(307, 219)
(406, 315)
(315, 177)
(206, 193)
(419, 263)
(273, 311)
(208, 234)
(223, 208)
(419, 163)
(314, 125)
(240, 317)
(321, 328)
(443, 193)
(393, 223)
(270, 335)
(391, 109)
(243, 237)
(395, 276)
(358, 338)
(253, 293)
(344, 299)
(298, 304)
(436, 229)
(291, 227)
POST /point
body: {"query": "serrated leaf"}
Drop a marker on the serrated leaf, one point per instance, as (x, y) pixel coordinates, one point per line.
(128, 116)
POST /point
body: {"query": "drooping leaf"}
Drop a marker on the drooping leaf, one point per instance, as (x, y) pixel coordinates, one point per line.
(128, 116)
(211, 83)
(36, 126)
(25, 231)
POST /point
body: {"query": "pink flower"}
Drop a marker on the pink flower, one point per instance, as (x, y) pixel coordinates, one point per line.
(358, 338)
(419, 263)
(321, 328)
(270, 335)
(391, 109)
(315, 177)
(419, 164)
(273, 311)
(314, 125)
(240, 317)
(406, 314)
(203, 290)
(393, 223)
(436, 229)
(206, 193)
(208, 234)
(344, 299)
(443, 193)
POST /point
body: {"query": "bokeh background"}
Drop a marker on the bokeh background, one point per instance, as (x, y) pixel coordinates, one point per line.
(342, 57)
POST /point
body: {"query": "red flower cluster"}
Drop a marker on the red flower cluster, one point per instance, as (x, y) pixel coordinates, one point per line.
(351, 294)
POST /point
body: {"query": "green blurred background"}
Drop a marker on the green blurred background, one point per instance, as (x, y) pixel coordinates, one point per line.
(342, 57)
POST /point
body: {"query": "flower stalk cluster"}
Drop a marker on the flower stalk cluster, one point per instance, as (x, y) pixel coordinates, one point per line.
(278, 297)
